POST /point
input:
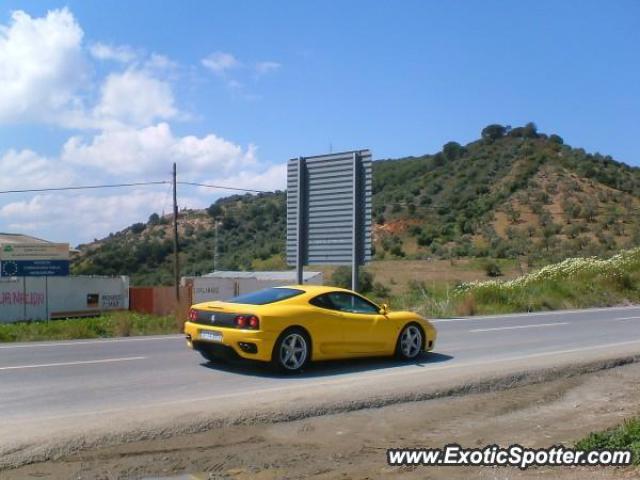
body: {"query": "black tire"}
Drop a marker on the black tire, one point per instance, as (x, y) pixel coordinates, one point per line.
(208, 356)
(410, 342)
(292, 351)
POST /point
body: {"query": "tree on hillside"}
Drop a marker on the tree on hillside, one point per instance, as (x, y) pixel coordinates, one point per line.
(493, 132)
(452, 150)
(214, 210)
(137, 228)
(553, 138)
(512, 213)
(530, 130)
(154, 219)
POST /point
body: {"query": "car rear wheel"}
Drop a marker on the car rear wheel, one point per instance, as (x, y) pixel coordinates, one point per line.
(292, 351)
(410, 342)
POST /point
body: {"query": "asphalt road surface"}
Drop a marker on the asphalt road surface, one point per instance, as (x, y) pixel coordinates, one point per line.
(90, 379)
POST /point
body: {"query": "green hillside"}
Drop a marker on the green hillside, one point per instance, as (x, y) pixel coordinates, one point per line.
(513, 194)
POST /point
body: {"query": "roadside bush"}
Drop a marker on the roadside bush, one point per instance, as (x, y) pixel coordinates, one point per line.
(625, 436)
(380, 291)
(572, 283)
(124, 323)
(492, 269)
(341, 277)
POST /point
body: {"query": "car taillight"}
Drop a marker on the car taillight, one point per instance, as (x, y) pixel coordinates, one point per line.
(247, 321)
(193, 315)
(253, 321)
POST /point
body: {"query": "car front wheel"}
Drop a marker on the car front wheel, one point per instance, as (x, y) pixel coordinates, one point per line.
(410, 342)
(292, 351)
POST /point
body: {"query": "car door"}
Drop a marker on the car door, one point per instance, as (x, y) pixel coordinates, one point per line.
(365, 330)
(326, 326)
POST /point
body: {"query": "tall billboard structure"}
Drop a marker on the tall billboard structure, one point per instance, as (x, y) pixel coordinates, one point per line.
(329, 210)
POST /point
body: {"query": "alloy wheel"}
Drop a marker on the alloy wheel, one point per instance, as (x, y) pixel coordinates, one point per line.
(411, 341)
(293, 351)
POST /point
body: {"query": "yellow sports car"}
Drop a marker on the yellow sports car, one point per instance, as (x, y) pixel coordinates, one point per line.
(290, 326)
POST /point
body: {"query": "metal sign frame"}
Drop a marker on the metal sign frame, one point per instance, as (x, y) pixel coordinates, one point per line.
(329, 210)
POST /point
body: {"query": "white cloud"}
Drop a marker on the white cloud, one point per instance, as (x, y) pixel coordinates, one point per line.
(41, 66)
(46, 77)
(93, 215)
(135, 97)
(263, 68)
(221, 62)
(157, 61)
(271, 178)
(25, 169)
(130, 154)
(153, 149)
(119, 53)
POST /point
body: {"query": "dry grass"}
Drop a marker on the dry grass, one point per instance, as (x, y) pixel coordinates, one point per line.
(123, 324)
(467, 306)
(397, 274)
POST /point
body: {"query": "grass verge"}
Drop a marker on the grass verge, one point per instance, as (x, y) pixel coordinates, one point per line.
(114, 324)
(625, 436)
(573, 283)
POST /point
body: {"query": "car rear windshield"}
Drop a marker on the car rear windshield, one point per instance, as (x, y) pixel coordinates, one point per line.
(268, 295)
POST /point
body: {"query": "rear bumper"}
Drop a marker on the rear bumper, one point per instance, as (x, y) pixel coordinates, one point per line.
(253, 345)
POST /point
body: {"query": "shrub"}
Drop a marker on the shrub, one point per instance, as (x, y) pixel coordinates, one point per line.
(137, 228)
(341, 277)
(626, 436)
(492, 269)
(380, 291)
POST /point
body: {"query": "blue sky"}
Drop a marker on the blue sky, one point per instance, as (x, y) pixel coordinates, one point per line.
(233, 89)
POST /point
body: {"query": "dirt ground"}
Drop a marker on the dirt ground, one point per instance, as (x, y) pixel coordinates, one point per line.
(396, 274)
(352, 445)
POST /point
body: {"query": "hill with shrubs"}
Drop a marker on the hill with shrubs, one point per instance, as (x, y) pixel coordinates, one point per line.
(515, 193)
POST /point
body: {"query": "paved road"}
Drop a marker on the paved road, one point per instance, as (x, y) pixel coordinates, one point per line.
(64, 379)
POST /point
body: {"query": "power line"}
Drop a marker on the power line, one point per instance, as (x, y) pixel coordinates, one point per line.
(131, 184)
(223, 187)
(87, 187)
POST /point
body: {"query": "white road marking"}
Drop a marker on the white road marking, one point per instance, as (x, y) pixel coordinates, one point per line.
(336, 381)
(537, 325)
(68, 364)
(627, 318)
(91, 342)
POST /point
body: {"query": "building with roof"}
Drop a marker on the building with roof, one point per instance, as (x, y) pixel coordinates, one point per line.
(222, 285)
(19, 239)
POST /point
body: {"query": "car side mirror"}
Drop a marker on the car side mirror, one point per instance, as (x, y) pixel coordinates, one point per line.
(384, 309)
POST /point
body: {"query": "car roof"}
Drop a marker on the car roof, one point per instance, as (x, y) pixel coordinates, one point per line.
(316, 289)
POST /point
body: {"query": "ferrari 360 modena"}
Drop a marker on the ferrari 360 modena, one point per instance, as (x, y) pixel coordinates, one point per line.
(293, 325)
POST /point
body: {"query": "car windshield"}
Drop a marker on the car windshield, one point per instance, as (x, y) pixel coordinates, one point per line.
(268, 295)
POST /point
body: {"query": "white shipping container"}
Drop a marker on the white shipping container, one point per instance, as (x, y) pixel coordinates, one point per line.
(42, 298)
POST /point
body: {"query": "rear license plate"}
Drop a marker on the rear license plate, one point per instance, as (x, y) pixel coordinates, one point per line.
(210, 336)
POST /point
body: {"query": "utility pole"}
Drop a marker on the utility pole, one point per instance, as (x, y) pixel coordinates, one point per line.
(176, 260)
(215, 244)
